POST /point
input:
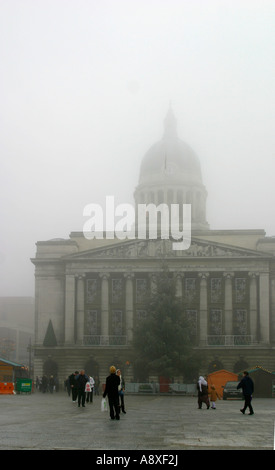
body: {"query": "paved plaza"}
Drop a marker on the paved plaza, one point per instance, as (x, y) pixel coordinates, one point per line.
(40, 421)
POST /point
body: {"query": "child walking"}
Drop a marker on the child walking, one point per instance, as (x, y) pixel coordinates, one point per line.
(214, 396)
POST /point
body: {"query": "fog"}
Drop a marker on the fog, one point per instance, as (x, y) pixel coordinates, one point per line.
(85, 87)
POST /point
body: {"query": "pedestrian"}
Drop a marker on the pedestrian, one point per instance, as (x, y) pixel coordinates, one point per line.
(214, 396)
(51, 384)
(67, 386)
(92, 382)
(56, 384)
(89, 390)
(81, 380)
(202, 388)
(44, 384)
(96, 388)
(73, 385)
(111, 389)
(121, 391)
(247, 386)
(39, 383)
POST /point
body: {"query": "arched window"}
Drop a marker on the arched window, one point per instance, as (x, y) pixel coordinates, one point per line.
(92, 368)
(50, 367)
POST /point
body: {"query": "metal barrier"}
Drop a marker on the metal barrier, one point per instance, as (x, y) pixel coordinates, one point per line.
(231, 340)
(104, 340)
(154, 388)
(6, 388)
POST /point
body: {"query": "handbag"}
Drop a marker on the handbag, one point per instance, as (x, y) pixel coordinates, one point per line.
(103, 404)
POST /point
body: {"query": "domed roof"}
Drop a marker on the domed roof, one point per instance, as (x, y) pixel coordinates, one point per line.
(170, 158)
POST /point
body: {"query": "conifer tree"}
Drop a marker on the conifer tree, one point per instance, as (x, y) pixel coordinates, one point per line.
(162, 341)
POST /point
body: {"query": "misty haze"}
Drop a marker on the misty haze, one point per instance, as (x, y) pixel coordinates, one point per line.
(145, 104)
(85, 90)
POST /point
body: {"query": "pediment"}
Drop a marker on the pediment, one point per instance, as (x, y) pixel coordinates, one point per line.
(138, 249)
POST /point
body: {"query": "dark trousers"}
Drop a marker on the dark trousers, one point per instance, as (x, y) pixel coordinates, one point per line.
(114, 407)
(203, 399)
(89, 397)
(74, 393)
(121, 397)
(247, 403)
(81, 396)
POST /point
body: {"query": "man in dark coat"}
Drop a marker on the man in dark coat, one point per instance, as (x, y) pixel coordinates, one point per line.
(111, 389)
(247, 385)
(73, 385)
(81, 380)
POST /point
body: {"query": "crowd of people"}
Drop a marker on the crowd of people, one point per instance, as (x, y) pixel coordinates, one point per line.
(47, 384)
(208, 394)
(82, 387)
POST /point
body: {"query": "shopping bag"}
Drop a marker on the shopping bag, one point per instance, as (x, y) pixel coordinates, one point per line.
(103, 404)
(87, 387)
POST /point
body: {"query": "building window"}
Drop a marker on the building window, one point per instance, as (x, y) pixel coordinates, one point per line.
(141, 290)
(240, 322)
(91, 290)
(160, 197)
(240, 289)
(117, 325)
(215, 321)
(190, 289)
(141, 315)
(117, 290)
(170, 196)
(92, 322)
(216, 289)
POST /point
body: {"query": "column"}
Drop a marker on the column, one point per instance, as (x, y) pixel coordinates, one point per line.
(156, 197)
(203, 308)
(153, 283)
(253, 305)
(129, 306)
(228, 310)
(264, 307)
(70, 309)
(80, 303)
(179, 277)
(105, 304)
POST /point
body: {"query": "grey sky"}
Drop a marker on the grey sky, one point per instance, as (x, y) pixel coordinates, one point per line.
(85, 87)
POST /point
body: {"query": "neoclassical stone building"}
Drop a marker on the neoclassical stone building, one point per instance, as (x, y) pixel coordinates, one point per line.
(89, 294)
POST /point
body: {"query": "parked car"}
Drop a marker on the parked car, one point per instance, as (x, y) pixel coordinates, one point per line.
(230, 391)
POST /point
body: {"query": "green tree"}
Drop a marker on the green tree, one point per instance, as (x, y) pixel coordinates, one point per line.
(162, 341)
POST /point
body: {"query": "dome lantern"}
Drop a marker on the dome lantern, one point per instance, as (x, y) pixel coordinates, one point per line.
(170, 173)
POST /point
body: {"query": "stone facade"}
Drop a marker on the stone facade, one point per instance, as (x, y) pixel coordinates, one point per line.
(94, 296)
(89, 294)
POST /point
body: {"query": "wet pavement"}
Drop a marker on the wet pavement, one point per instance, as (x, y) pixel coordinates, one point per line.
(40, 421)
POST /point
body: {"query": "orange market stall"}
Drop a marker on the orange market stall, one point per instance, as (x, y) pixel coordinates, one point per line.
(9, 371)
(219, 379)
